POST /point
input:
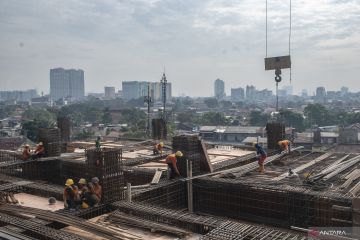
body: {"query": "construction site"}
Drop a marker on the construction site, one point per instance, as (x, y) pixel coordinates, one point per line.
(219, 195)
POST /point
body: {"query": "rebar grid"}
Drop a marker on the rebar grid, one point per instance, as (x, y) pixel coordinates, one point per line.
(281, 205)
(51, 140)
(190, 146)
(106, 164)
(169, 194)
(232, 230)
(37, 230)
(179, 218)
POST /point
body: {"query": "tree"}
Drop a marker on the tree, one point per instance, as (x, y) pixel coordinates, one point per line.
(106, 118)
(292, 119)
(211, 102)
(213, 118)
(258, 118)
(34, 119)
(185, 117)
(317, 114)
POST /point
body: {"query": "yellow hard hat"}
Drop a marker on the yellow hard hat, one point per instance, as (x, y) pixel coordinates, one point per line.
(69, 182)
(179, 154)
(161, 144)
(82, 181)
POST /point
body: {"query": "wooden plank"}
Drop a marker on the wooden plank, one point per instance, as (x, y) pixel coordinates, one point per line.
(304, 166)
(205, 158)
(156, 177)
(354, 190)
(349, 182)
(342, 168)
(356, 171)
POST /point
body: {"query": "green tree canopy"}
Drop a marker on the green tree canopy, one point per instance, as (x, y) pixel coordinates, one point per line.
(211, 102)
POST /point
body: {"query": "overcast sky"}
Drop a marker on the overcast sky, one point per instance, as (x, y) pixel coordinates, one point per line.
(197, 40)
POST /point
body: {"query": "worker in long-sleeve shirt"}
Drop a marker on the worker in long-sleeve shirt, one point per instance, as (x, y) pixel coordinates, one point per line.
(284, 145)
(261, 155)
(171, 161)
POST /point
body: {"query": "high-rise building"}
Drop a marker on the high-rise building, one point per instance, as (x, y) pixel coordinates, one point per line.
(66, 83)
(219, 89)
(237, 94)
(344, 91)
(137, 89)
(320, 93)
(109, 92)
(250, 92)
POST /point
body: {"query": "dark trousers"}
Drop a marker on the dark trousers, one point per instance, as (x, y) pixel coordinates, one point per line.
(172, 172)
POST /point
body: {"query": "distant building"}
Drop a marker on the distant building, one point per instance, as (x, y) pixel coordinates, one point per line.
(19, 96)
(67, 83)
(250, 92)
(321, 94)
(304, 93)
(137, 89)
(219, 89)
(289, 90)
(109, 92)
(237, 94)
(344, 91)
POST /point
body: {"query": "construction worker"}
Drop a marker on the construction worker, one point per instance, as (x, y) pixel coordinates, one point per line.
(261, 155)
(83, 193)
(95, 192)
(158, 148)
(26, 153)
(97, 142)
(39, 151)
(171, 161)
(284, 145)
(69, 195)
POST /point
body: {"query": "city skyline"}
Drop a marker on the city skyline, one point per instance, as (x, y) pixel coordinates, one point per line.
(213, 39)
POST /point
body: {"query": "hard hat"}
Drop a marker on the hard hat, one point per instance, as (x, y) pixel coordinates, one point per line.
(84, 205)
(279, 142)
(27, 145)
(41, 143)
(69, 182)
(179, 154)
(95, 180)
(161, 144)
(52, 200)
(82, 181)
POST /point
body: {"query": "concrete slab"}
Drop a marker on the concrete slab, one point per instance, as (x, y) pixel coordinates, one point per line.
(29, 200)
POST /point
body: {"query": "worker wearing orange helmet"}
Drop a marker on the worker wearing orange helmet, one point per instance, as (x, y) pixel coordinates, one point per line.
(284, 145)
(171, 161)
(158, 148)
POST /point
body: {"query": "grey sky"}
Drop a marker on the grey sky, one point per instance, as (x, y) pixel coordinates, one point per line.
(198, 40)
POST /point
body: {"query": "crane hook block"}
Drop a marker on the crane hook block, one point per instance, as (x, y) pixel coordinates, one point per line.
(273, 63)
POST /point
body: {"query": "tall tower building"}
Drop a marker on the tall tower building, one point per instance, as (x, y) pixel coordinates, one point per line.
(219, 89)
(66, 84)
(109, 92)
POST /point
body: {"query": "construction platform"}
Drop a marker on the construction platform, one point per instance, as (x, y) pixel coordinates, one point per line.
(229, 199)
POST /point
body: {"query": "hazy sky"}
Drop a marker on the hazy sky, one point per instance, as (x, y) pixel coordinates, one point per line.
(197, 40)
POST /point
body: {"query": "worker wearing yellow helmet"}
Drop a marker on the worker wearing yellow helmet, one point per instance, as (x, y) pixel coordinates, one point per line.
(69, 195)
(158, 148)
(171, 161)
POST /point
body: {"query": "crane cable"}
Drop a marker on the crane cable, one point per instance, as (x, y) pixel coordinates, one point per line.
(290, 28)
